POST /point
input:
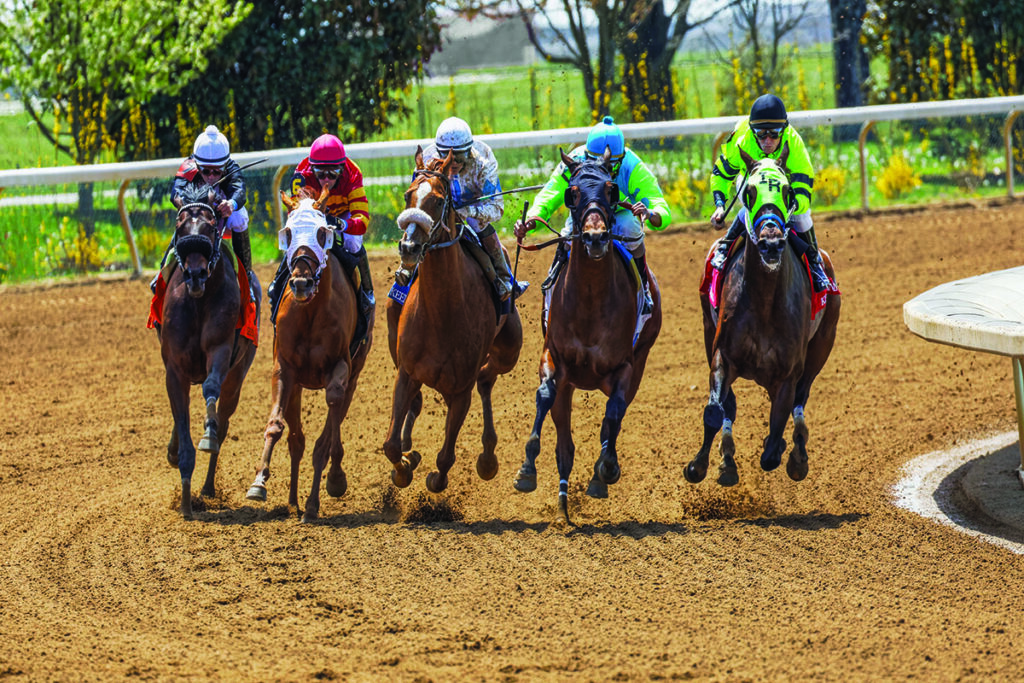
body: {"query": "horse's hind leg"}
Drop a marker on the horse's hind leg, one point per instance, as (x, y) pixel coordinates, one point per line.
(796, 466)
(340, 388)
(458, 406)
(487, 462)
(774, 443)
(526, 479)
(728, 474)
(410, 421)
(406, 392)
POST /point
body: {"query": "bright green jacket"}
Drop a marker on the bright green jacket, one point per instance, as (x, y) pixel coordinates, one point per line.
(730, 164)
(634, 179)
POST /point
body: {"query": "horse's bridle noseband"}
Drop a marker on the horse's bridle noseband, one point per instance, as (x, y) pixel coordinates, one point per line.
(190, 242)
(448, 205)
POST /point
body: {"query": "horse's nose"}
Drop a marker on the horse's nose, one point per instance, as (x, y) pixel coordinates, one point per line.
(196, 280)
(302, 288)
(771, 247)
(596, 243)
(410, 248)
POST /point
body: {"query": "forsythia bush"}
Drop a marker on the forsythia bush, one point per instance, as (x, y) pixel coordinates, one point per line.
(829, 185)
(897, 178)
(687, 195)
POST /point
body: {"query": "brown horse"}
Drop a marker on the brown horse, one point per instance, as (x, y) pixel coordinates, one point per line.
(316, 321)
(591, 341)
(446, 335)
(764, 330)
(198, 339)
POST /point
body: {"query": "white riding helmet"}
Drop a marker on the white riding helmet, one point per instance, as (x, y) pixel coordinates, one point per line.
(211, 148)
(453, 135)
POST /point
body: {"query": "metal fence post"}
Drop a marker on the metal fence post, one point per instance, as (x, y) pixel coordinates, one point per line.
(1008, 139)
(126, 225)
(861, 139)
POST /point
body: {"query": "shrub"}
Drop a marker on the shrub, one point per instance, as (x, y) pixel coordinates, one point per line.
(829, 185)
(897, 178)
(686, 196)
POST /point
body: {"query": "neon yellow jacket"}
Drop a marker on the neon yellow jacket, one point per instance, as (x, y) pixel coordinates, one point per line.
(729, 164)
(635, 181)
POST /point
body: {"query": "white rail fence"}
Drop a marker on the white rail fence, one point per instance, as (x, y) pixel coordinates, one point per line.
(284, 159)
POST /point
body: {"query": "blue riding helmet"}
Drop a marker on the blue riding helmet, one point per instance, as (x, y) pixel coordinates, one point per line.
(606, 134)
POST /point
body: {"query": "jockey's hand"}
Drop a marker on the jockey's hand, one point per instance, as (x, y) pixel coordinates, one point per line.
(640, 211)
(718, 218)
(522, 228)
(224, 208)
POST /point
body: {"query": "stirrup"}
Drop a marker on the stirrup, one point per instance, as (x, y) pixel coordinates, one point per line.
(502, 288)
(648, 303)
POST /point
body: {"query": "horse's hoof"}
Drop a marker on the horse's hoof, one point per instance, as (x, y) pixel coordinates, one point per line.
(563, 510)
(770, 461)
(186, 499)
(308, 517)
(208, 444)
(693, 474)
(608, 472)
(172, 459)
(728, 476)
(336, 486)
(256, 493)
(796, 471)
(526, 480)
(401, 476)
(436, 482)
(413, 459)
(597, 489)
(208, 492)
(487, 467)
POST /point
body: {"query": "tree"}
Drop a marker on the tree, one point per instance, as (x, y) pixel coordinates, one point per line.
(92, 59)
(850, 58)
(296, 69)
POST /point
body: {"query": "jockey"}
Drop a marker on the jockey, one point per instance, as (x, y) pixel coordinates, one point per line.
(210, 163)
(765, 134)
(637, 185)
(345, 208)
(474, 174)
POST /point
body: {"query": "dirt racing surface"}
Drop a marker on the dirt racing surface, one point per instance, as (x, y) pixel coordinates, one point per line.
(770, 580)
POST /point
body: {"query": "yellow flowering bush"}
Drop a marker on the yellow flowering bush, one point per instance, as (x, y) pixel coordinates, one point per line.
(897, 178)
(829, 185)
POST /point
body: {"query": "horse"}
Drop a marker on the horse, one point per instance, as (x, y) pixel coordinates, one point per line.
(316, 321)
(447, 334)
(591, 341)
(765, 330)
(198, 338)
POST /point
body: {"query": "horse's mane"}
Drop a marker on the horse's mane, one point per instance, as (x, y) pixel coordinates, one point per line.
(196, 194)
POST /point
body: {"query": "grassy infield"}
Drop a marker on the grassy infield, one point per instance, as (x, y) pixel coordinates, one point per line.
(44, 240)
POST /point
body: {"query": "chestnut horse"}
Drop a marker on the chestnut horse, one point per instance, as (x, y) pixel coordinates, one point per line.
(591, 341)
(198, 338)
(764, 330)
(316, 321)
(447, 335)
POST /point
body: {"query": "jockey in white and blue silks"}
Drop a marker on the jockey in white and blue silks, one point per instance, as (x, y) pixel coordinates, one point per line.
(637, 186)
(474, 175)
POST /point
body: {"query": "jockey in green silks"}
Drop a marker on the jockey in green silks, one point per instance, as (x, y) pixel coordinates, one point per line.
(637, 186)
(765, 134)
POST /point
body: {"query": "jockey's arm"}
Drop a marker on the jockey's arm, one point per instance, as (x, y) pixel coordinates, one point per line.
(490, 210)
(644, 186)
(550, 197)
(801, 172)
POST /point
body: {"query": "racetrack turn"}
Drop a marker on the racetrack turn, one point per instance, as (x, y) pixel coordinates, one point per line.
(772, 579)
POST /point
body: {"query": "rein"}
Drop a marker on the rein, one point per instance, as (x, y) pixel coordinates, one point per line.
(574, 234)
(447, 206)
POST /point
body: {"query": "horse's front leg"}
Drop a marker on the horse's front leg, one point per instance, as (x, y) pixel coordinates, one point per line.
(606, 468)
(487, 462)
(458, 406)
(526, 479)
(565, 449)
(217, 364)
(328, 444)
(230, 393)
(410, 421)
(720, 381)
(406, 390)
(775, 443)
(185, 457)
(283, 394)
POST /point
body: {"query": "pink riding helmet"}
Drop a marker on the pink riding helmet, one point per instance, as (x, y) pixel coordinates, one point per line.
(327, 150)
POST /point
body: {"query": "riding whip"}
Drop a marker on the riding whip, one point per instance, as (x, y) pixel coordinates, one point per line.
(498, 194)
(519, 248)
(239, 170)
(743, 186)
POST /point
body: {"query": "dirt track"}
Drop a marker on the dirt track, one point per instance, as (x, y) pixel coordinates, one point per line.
(775, 580)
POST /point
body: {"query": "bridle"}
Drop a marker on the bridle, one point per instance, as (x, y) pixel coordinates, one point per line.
(192, 242)
(448, 205)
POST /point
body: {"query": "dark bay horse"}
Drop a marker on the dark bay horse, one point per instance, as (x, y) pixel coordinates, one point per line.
(591, 341)
(447, 335)
(764, 330)
(198, 338)
(316, 321)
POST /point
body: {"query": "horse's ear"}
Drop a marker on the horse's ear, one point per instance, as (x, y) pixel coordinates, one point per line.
(747, 159)
(290, 202)
(568, 161)
(318, 204)
(419, 158)
(606, 160)
(749, 196)
(571, 196)
(177, 202)
(447, 163)
(784, 156)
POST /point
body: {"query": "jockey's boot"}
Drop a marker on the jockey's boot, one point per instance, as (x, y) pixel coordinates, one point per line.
(243, 250)
(641, 266)
(276, 289)
(561, 256)
(725, 244)
(820, 279)
(503, 281)
(366, 298)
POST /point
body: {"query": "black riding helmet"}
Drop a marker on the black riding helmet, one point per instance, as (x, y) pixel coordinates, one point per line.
(768, 111)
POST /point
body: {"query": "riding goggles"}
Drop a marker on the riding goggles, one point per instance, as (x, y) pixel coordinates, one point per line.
(327, 173)
(211, 170)
(773, 133)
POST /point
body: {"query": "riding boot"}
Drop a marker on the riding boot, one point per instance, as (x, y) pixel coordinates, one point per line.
(367, 300)
(820, 279)
(503, 281)
(725, 244)
(243, 250)
(276, 290)
(641, 266)
(561, 256)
